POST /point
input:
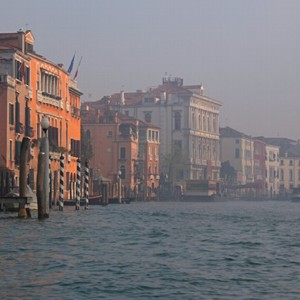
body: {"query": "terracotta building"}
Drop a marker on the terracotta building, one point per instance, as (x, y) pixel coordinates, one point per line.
(32, 87)
(121, 148)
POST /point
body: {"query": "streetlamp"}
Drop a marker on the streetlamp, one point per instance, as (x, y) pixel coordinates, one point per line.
(45, 148)
(120, 186)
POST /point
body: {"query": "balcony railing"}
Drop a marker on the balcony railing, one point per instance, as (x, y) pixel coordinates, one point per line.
(49, 99)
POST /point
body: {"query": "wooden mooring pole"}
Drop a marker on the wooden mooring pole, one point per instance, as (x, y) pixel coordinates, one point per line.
(24, 159)
(41, 193)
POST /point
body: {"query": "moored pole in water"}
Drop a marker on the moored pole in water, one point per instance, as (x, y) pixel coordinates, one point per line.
(86, 184)
(61, 182)
(24, 158)
(77, 205)
(41, 193)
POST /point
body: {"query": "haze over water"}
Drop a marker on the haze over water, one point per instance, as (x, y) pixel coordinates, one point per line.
(161, 250)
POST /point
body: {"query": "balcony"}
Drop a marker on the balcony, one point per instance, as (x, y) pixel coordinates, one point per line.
(52, 100)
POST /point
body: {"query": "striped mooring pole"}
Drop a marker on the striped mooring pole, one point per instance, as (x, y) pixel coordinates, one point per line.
(86, 184)
(78, 185)
(61, 182)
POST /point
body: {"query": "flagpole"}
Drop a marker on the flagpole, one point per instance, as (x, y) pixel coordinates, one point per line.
(76, 73)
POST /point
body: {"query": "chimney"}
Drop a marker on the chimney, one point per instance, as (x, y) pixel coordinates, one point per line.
(122, 100)
(21, 40)
(201, 89)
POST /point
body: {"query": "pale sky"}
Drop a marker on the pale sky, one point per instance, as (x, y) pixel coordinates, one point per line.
(245, 53)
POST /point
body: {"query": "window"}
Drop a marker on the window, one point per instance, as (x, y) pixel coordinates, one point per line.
(75, 148)
(53, 136)
(68, 181)
(208, 124)
(67, 135)
(110, 134)
(49, 85)
(291, 175)
(10, 150)
(281, 162)
(177, 121)
(156, 136)
(291, 162)
(27, 76)
(11, 114)
(193, 121)
(17, 152)
(148, 100)
(147, 117)
(237, 141)
(237, 153)
(122, 153)
(281, 175)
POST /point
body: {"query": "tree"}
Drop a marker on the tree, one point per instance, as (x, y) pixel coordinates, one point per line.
(174, 164)
(86, 145)
(228, 173)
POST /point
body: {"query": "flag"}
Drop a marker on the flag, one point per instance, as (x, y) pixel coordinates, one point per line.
(71, 64)
(76, 73)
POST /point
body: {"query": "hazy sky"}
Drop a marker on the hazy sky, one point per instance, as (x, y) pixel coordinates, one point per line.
(246, 53)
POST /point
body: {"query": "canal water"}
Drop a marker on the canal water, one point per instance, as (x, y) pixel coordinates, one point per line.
(154, 250)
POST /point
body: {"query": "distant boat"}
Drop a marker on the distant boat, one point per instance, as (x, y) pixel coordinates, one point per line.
(200, 190)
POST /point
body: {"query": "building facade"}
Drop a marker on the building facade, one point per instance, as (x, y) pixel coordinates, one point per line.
(124, 146)
(188, 122)
(272, 170)
(289, 169)
(260, 166)
(31, 88)
(238, 149)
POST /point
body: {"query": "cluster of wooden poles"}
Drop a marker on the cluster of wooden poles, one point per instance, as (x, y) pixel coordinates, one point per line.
(44, 180)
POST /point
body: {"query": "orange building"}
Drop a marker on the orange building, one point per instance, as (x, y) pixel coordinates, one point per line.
(149, 167)
(115, 148)
(122, 144)
(32, 87)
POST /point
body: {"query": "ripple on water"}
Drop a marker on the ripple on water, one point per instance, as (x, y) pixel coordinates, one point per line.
(167, 250)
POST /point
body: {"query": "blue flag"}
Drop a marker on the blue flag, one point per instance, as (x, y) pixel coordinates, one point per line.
(71, 64)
